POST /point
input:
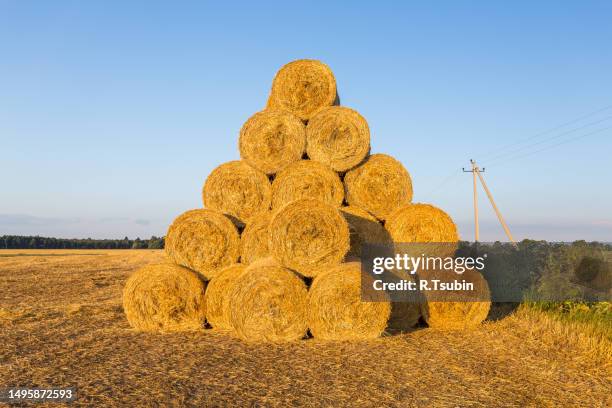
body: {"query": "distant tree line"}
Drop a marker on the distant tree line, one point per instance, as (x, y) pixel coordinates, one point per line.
(36, 242)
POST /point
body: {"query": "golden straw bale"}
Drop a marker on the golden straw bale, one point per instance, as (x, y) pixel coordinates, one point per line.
(426, 224)
(254, 239)
(364, 228)
(203, 240)
(217, 296)
(268, 303)
(336, 310)
(406, 305)
(238, 190)
(303, 87)
(164, 298)
(308, 235)
(378, 185)
(271, 140)
(307, 179)
(338, 137)
(455, 309)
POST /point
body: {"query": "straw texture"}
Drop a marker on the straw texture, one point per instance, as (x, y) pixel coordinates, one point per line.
(164, 298)
(454, 310)
(271, 140)
(217, 296)
(378, 185)
(338, 137)
(238, 190)
(307, 179)
(364, 228)
(335, 308)
(268, 303)
(308, 235)
(424, 223)
(203, 240)
(254, 239)
(303, 87)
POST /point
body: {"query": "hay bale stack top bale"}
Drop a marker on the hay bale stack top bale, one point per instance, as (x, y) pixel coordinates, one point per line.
(338, 137)
(303, 87)
(164, 298)
(238, 190)
(203, 240)
(271, 140)
(308, 235)
(268, 303)
(307, 179)
(379, 185)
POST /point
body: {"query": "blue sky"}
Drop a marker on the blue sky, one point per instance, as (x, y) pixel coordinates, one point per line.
(113, 114)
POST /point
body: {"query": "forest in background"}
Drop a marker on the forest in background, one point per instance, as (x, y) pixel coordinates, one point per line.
(37, 242)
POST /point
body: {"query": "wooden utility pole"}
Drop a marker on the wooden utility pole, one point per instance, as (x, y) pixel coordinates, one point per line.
(476, 171)
(476, 228)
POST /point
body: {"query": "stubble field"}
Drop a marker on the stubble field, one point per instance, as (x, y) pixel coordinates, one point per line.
(62, 324)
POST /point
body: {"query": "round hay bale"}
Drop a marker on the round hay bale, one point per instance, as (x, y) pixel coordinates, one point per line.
(238, 190)
(268, 303)
(364, 228)
(336, 310)
(271, 140)
(303, 87)
(308, 235)
(164, 298)
(406, 305)
(456, 309)
(254, 239)
(217, 296)
(307, 179)
(338, 137)
(203, 240)
(378, 185)
(424, 224)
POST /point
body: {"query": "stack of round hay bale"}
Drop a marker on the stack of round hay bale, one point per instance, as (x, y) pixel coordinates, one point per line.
(274, 254)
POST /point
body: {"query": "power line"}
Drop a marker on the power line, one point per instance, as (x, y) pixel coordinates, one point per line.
(495, 158)
(450, 177)
(545, 132)
(551, 146)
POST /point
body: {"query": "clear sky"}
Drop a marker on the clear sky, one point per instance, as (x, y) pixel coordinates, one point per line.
(112, 114)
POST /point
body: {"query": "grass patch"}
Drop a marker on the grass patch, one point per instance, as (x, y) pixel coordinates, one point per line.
(596, 317)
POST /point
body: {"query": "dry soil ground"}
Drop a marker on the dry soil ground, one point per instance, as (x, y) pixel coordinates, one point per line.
(61, 324)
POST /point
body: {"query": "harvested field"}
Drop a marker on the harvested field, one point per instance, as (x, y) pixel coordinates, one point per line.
(62, 324)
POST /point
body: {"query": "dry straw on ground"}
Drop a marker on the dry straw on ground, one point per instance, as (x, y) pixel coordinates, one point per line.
(336, 310)
(378, 185)
(203, 240)
(308, 236)
(254, 239)
(271, 140)
(338, 137)
(217, 296)
(364, 228)
(303, 87)
(307, 179)
(426, 224)
(238, 190)
(268, 303)
(456, 309)
(163, 298)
